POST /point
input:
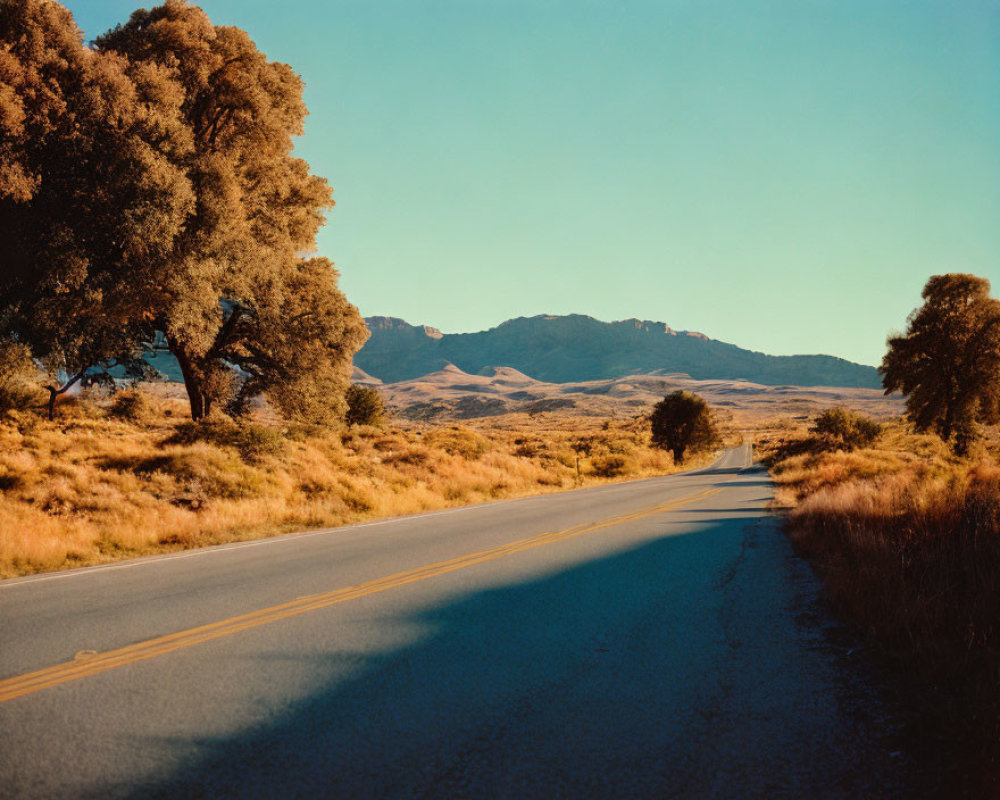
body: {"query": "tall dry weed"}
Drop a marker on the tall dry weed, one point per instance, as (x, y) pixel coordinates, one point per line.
(907, 542)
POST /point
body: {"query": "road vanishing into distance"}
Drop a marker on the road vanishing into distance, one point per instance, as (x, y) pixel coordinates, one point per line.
(656, 638)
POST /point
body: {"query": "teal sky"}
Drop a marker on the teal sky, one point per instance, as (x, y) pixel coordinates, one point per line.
(781, 175)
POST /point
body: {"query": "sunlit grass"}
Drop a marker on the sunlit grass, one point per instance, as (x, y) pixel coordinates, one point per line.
(906, 538)
(117, 479)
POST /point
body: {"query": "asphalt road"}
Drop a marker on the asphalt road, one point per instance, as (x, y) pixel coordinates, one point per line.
(647, 639)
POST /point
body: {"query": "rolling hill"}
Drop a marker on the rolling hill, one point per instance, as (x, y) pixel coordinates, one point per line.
(450, 394)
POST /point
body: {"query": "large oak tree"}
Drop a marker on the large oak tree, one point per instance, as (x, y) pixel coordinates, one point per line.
(947, 363)
(147, 186)
(237, 292)
(92, 194)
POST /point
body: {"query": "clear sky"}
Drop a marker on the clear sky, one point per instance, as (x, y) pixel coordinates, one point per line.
(781, 175)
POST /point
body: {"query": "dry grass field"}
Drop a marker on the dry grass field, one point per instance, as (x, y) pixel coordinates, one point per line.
(906, 538)
(111, 479)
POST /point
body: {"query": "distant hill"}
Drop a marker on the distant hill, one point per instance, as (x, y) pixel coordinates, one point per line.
(563, 349)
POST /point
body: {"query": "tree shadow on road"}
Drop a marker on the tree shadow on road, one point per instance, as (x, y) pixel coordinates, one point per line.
(684, 666)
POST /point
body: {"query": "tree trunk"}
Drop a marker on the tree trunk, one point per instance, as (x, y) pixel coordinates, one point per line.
(197, 401)
(192, 383)
(946, 427)
(678, 455)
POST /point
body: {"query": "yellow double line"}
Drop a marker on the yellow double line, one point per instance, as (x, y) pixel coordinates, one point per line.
(151, 648)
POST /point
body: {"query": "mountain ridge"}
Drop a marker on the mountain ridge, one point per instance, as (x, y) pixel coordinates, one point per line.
(577, 347)
(450, 395)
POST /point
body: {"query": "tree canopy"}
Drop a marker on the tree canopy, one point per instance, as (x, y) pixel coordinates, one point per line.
(947, 363)
(91, 199)
(147, 184)
(683, 421)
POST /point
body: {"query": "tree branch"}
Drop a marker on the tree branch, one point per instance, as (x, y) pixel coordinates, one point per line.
(222, 337)
(55, 392)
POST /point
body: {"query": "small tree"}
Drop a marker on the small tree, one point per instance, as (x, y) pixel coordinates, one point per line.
(948, 361)
(365, 405)
(683, 421)
(846, 429)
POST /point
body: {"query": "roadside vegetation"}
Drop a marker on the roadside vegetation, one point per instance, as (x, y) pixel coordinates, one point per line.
(365, 406)
(906, 538)
(902, 523)
(125, 475)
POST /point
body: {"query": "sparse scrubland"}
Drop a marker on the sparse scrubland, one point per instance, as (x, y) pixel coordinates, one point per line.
(906, 537)
(150, 199)
(128, 475)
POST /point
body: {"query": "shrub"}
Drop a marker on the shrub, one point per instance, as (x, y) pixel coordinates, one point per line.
(846, 429)
(211, 472)
(609, 466)
(254, 442)
(525, 449)
(17, 375)
(365, 405)
(458, 441)
(131, 405)
(413, 456)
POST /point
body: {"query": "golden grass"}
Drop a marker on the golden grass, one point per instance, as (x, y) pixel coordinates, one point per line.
(117, 479)
(906, 538)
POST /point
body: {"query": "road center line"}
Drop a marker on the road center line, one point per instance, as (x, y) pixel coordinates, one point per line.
(151, 648)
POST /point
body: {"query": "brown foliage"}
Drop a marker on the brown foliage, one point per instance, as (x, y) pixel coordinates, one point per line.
(92, 196)
(17, 377)
(96, 486)
(236, 291)
(683, 421)
(130, 404)
(845, 428)
(365, 405)
(147, 185)
(948, 361)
